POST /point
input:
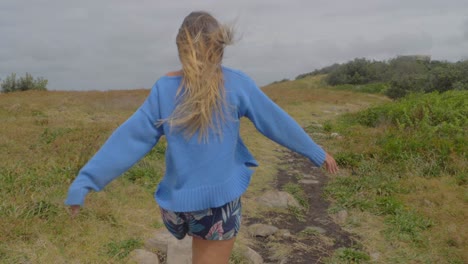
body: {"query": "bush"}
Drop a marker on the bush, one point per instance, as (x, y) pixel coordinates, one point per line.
(431, 127)
(396, 77)
(12, 84)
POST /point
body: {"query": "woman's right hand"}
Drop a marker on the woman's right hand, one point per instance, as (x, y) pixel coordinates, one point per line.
(330, 164)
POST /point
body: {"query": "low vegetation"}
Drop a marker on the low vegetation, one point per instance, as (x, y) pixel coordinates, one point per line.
(25, 83)
(407, 165)
(396, 77)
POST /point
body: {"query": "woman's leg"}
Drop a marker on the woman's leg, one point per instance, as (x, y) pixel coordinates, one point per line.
(211, 251)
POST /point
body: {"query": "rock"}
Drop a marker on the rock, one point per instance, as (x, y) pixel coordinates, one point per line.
(316, 125)
(375, 256)
(142, 256)
(319, 135)
(262, 230)
(277, 199)
(252, 256)
(336, 135)
(309, 181)
(178, 251)
(309, 176)
(315, 228)
(428, 203)
(341, 216)
(160, 240)
(323, 221)
(285, 233)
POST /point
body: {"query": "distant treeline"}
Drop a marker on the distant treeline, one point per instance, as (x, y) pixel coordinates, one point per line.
(402, 75)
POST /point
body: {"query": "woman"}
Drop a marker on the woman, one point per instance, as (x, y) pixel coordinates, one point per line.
(198, 109)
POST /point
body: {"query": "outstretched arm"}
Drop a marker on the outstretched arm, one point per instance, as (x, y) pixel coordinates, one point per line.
(127, 145)
(277, 125)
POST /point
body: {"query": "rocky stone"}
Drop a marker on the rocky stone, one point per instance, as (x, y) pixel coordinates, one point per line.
(428, 203)
(309, 181)
(375, 256)
(315, 228)
(277, 199)
(322, 220)
(160, 240)
(142, 256)
(341, 216)
(319, 135)
(309, 176)
(178, 251)
(285, 233)
(262, 230)
(252, 256)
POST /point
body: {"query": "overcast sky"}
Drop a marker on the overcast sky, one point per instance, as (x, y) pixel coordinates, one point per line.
(123, 44)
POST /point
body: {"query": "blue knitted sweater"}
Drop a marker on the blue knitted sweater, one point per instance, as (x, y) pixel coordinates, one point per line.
(198, 175)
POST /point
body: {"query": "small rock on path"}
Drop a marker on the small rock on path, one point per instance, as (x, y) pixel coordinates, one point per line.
(178, 251)
(262, 230)
(253, 256)
(142, 256)
(309, 181)
(278, 199)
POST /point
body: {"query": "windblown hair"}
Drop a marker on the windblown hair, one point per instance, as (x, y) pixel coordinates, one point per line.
(201, 96)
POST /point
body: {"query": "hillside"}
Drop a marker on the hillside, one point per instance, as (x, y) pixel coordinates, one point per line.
(46, 137)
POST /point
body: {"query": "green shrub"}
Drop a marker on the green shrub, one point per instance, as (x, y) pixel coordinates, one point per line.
(432, 127)
(11, 84)
(349, 255)
(396, 77)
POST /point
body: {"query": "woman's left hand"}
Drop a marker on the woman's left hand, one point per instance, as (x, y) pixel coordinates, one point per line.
(330, 164)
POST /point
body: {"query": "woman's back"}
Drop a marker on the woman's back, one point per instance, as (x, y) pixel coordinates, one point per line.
(216, 169)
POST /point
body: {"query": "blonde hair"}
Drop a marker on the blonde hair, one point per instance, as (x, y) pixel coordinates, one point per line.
(201, 96)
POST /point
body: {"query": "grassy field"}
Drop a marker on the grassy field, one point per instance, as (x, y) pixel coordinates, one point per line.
(407, 183)
(46, 137)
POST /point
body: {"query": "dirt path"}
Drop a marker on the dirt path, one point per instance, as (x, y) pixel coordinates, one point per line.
(324, 236)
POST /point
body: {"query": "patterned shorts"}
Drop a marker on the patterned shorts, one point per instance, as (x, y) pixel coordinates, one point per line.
(219, 223)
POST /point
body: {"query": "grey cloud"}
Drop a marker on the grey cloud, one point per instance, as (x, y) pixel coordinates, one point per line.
(465, 29)
(124, 44)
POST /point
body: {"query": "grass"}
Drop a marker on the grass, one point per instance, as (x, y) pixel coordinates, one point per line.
(298, 193)
(46, 137)
(414, 158)
(349, 256)
(121, 249)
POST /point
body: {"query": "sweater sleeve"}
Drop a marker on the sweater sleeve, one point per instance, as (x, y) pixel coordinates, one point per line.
(127, 145)
(277, 125)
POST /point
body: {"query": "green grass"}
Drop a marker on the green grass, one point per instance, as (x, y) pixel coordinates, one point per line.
(400, 154)
(298, 193)
(348, 256)
(121, 249)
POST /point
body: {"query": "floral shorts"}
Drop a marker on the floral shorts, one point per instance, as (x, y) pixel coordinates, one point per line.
(219, 223)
